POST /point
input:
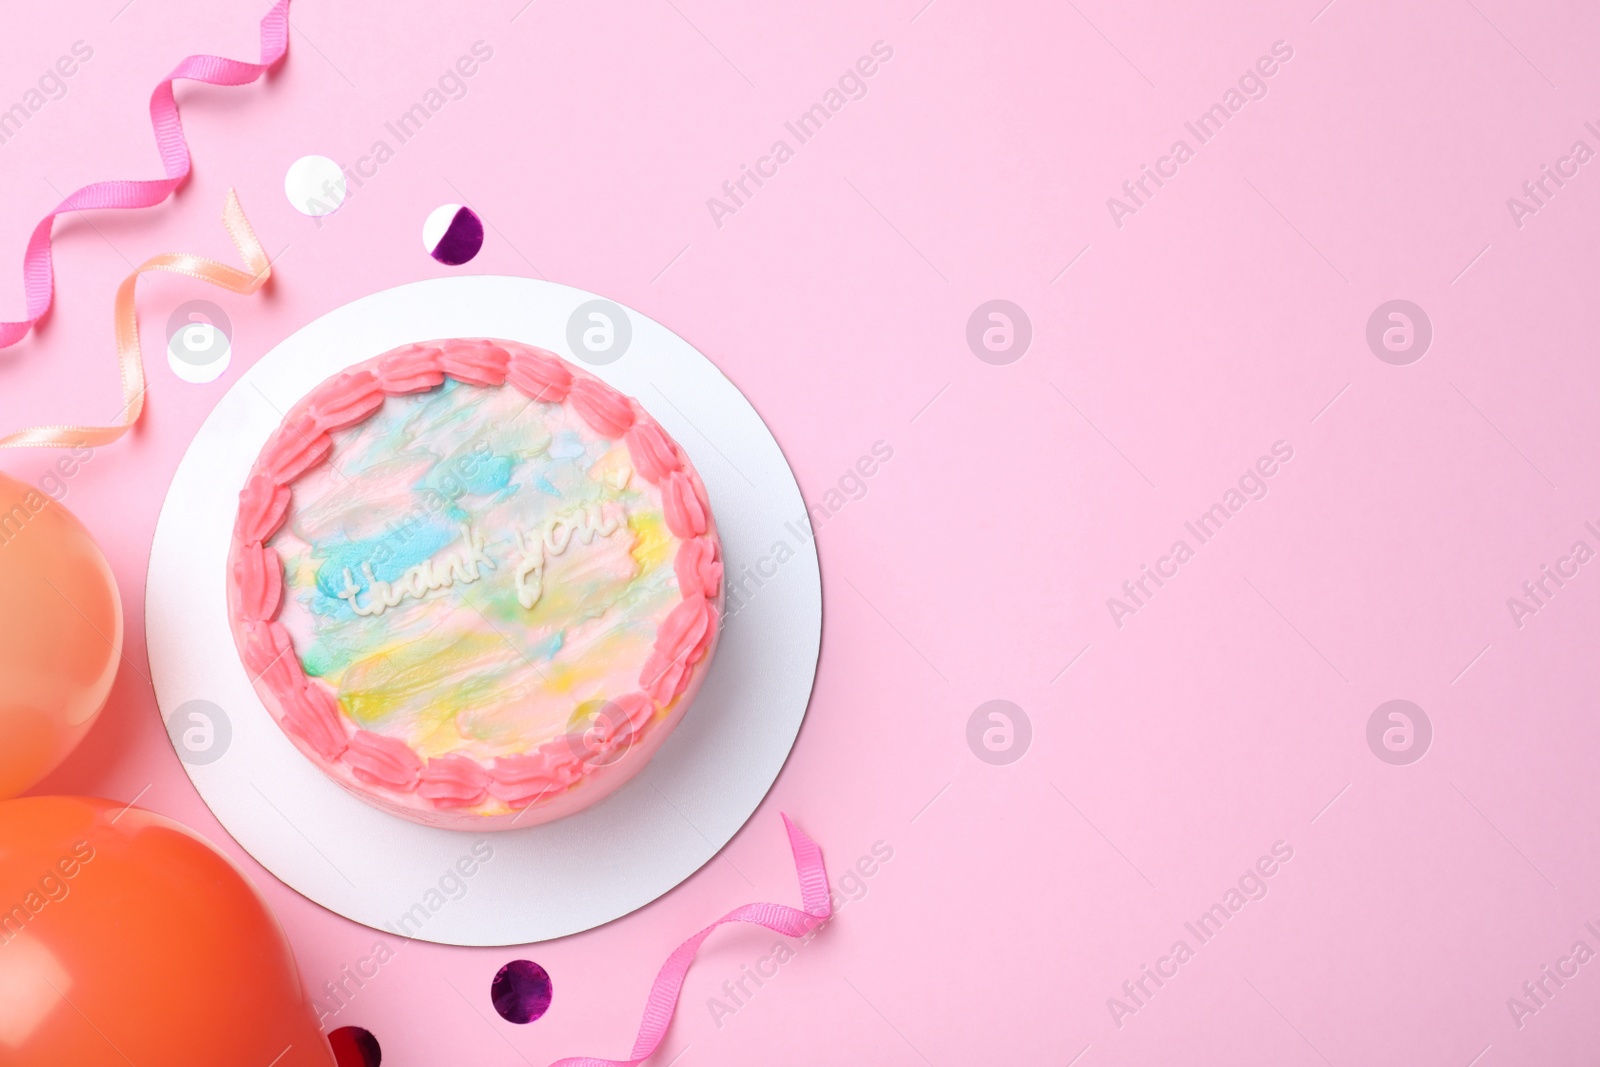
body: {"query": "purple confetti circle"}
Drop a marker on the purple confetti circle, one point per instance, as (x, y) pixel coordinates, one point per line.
(355, 1047)
(521, 991)
(453, 236)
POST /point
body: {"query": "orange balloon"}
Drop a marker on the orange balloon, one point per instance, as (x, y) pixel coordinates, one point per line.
(60, 634)
(126, 938)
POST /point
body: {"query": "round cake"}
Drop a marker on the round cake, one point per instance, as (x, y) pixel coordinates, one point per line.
(474, 584)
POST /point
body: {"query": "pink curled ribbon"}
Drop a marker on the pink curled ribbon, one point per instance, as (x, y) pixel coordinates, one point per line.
(37, 267)
(775, 917)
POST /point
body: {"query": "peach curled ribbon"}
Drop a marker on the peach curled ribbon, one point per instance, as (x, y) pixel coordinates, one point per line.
(792, 922)
(38, 272)
(126, 315)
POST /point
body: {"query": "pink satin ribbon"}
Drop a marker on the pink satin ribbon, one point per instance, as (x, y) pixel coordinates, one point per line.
(39, 273)
(776, 917)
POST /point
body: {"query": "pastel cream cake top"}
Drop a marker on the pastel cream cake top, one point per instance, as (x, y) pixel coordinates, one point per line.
(474, 583)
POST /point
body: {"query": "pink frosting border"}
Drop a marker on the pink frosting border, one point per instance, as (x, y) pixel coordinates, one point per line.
(374, 765)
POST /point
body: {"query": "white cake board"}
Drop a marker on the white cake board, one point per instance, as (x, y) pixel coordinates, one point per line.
(541, 882)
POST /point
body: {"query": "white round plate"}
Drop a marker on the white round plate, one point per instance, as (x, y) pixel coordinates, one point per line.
(522, 885)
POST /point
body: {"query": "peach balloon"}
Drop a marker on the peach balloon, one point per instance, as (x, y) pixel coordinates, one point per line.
(60, 634)
(126, 938)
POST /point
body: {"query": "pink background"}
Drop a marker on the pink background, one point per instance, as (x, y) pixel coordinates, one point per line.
(1227, 314)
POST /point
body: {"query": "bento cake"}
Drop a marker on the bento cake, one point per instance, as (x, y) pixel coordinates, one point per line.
(474, 584)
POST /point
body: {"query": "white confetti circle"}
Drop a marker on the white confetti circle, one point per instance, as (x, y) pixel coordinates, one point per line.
(314, 185)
